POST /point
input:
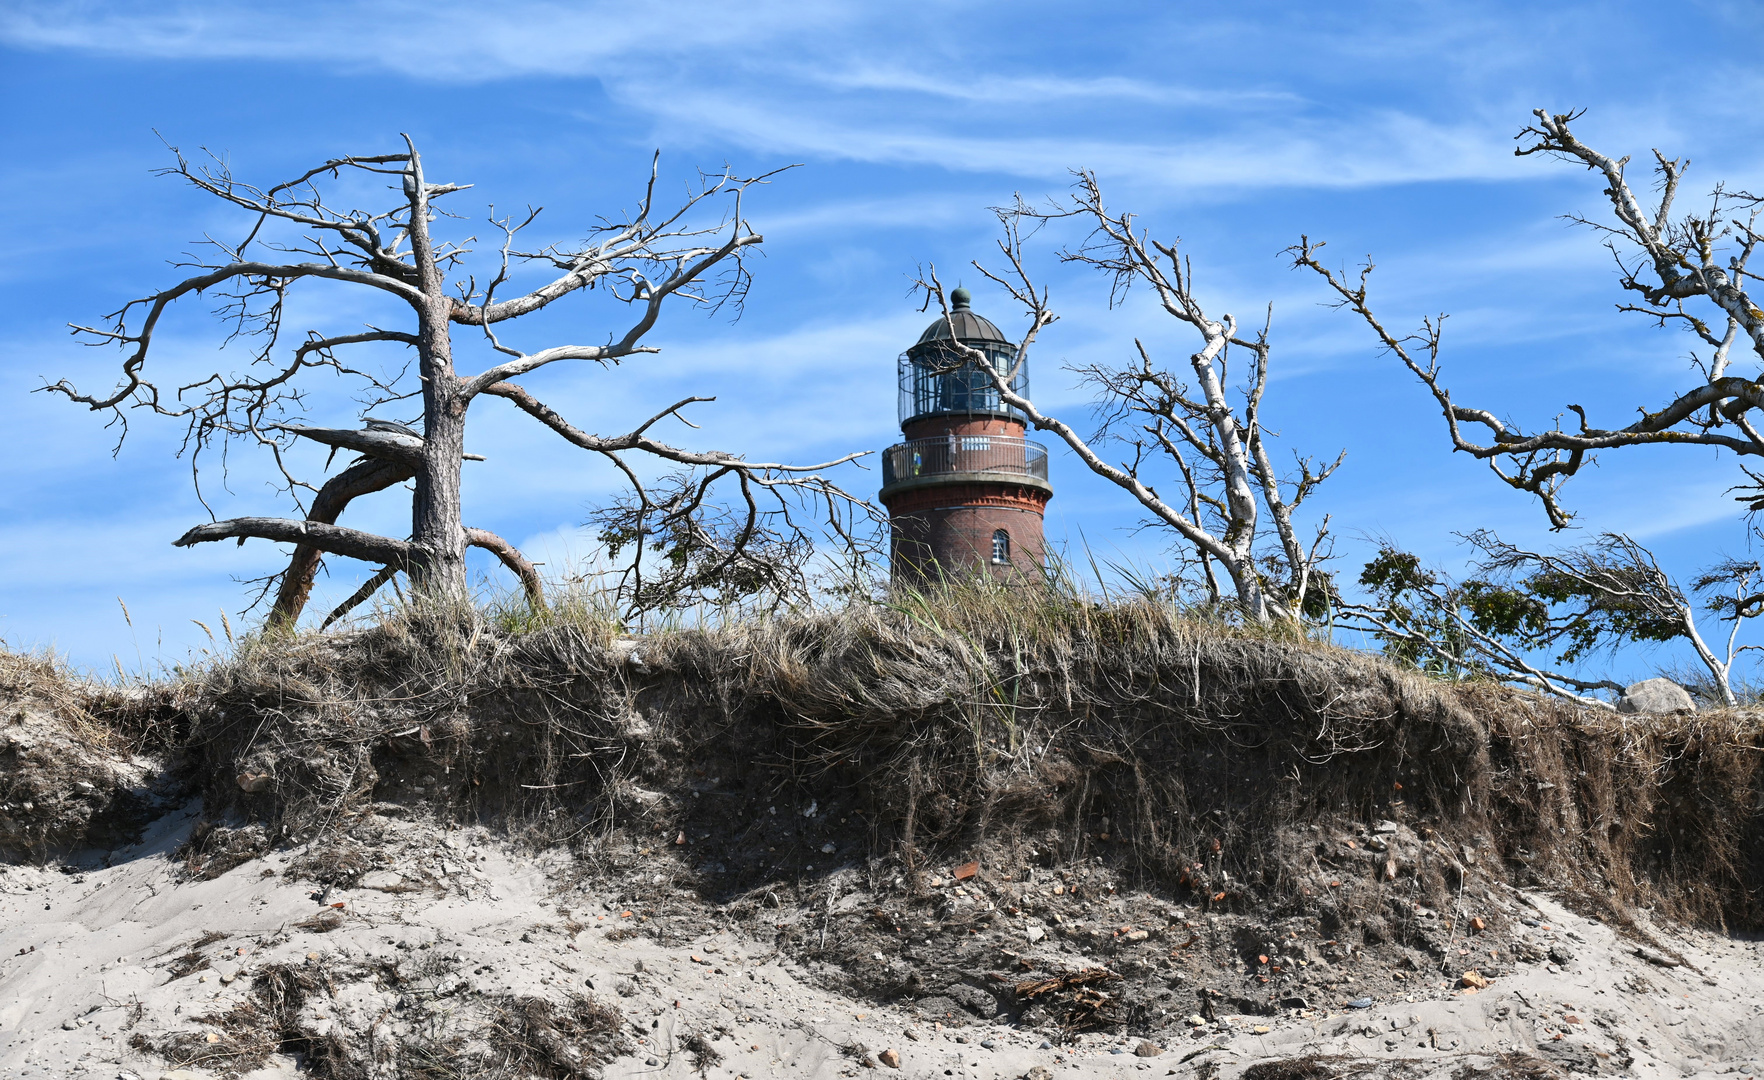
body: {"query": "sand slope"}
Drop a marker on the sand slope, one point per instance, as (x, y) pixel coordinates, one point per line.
(103, 970)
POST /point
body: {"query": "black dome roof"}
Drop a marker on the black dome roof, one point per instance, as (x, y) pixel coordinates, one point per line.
(968, 326)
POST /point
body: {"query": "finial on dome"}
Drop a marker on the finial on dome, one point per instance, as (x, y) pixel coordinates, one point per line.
(959, 299)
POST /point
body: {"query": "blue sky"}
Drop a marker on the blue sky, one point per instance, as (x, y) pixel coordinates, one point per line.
(1384, 128)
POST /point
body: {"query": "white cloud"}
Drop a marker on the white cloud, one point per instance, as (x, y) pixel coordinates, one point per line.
(1385, 148)
(448, 41)
(881, 88)
(1016, 92)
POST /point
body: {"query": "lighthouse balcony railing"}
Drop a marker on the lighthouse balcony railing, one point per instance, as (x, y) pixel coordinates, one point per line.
(949, 454)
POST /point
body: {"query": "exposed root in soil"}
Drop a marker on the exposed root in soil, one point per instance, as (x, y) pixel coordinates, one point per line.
(1075, 998)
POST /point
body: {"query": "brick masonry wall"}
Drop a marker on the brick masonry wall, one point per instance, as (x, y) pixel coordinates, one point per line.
(934, 426)
(952, 526)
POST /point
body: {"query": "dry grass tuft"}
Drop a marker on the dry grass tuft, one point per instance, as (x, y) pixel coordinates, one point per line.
(1309, 1067)
(1514, 1065)
(533, 1037)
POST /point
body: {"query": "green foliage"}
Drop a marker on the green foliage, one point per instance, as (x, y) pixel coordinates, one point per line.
(1605, 614)
(1569, 605)
(1420, 605)
(1503, 611)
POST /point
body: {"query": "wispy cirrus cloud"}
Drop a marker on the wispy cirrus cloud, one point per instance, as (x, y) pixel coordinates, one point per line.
(1017, 91)
(431, 41)
(846, 83)
(1387, 148)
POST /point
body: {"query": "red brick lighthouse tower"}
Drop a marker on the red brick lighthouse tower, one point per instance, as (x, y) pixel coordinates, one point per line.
(966, 491)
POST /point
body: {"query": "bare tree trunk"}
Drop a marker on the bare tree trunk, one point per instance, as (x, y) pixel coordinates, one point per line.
(437, 530)
(360, 479)
(1721, 673)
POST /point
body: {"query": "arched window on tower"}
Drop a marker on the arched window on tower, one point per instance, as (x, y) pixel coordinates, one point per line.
(1001, 547)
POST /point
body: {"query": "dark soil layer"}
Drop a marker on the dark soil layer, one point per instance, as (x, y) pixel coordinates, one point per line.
(69, 776)
(956, 806)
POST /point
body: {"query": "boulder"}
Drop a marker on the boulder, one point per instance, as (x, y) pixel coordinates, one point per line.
(1656, 696)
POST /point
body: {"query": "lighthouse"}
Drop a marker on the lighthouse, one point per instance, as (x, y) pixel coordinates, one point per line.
(965, 490)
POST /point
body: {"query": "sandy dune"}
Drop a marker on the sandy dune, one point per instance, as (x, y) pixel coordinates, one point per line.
(100, 967)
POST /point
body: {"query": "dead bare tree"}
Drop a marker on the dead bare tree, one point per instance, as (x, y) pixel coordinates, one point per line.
(1689, 272)
(1217, 452)
(693, 253)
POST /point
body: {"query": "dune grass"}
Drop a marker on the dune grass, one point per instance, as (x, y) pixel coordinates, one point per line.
(1028, 723)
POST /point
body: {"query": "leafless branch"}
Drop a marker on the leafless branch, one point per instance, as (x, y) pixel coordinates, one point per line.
(1218, 449)
(360, 596)
(517, 563)
(707, 556)
(1697, 257)
(331, 539)
(363, 478)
